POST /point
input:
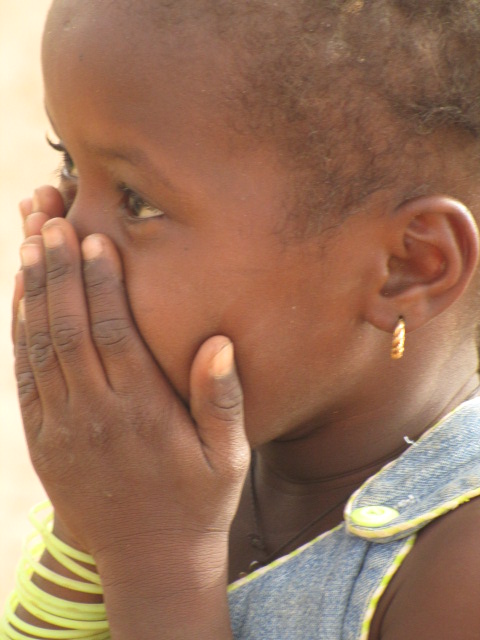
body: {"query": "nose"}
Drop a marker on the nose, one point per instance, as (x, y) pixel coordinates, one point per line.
(88, 215)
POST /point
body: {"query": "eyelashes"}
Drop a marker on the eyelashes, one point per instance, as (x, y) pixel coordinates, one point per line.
(136, 206)
(67, 169)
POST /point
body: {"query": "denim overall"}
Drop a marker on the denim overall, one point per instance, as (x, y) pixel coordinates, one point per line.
(329, 588)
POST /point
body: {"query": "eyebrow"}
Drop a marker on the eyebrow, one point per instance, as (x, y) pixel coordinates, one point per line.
(132, 155)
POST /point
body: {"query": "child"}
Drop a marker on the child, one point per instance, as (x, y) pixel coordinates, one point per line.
(258, 200)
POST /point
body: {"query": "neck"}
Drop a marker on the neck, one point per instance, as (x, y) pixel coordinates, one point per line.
(342, 451)
(298, 486)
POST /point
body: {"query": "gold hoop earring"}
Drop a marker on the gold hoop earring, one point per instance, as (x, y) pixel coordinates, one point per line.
(398, 342)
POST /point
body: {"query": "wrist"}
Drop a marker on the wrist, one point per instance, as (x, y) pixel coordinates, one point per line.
(200, 613)
(63, 533)
(171, 593)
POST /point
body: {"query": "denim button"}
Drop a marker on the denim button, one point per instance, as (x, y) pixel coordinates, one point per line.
(374, 516)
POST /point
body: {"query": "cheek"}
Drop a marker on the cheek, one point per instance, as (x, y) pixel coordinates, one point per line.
(177, 305)
(284, 336)
(175, 318)
(172, 319)
(180, 296)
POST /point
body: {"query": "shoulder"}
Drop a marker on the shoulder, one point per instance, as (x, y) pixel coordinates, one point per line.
(436, 593)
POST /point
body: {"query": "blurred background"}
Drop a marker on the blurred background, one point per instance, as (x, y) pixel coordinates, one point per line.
(25, 162)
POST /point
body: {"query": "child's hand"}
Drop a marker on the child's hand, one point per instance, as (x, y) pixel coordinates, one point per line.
(145, 486)
(47, 202)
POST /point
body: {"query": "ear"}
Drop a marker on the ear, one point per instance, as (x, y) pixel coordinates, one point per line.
(433, 248)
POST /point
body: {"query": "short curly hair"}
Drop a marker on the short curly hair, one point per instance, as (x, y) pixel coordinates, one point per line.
(365, 95)
(359, 96)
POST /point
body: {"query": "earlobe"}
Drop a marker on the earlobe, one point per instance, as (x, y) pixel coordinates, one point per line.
(432, 257)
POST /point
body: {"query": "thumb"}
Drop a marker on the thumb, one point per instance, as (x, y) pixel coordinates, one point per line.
(216, 405)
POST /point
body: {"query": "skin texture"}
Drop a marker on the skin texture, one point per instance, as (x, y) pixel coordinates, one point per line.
(120, 353)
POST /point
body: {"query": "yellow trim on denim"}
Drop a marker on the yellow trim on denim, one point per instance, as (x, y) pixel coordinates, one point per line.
(392, 570)
(277, 563)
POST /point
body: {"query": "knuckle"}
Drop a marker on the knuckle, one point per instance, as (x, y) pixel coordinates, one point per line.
(40, 351)
(235, 463)
(98, 426)
(228, 406)
(99, 435)
(56, 440)
(59, 272)
(67, 336)
(27, 390)
(19, 343)
(32, 289)
(97, 420)
(238, 467)
(99, 284)
(113, 334)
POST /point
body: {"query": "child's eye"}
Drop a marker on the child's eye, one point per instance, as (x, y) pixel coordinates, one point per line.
(68, 171)
(138, 207)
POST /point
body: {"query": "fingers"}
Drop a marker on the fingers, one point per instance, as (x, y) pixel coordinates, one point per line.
(65, 312)
(17, 296)
(26, 207)
(125, 358)
(41, 357)
(217, 407)
(46, 203)
(27, 388)
(33, 224)
(81, 315)
(60, 353)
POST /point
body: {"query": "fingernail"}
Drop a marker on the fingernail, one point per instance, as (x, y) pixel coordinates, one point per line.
(53, 236)
(21, 310)
(92, 247)
(29, 254)
(222, 364)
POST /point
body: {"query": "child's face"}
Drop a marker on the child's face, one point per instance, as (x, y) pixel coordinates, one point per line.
(143, 111)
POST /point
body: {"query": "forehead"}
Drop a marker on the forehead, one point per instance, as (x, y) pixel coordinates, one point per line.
(129, 24)
(105, 41)
(112, 66)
